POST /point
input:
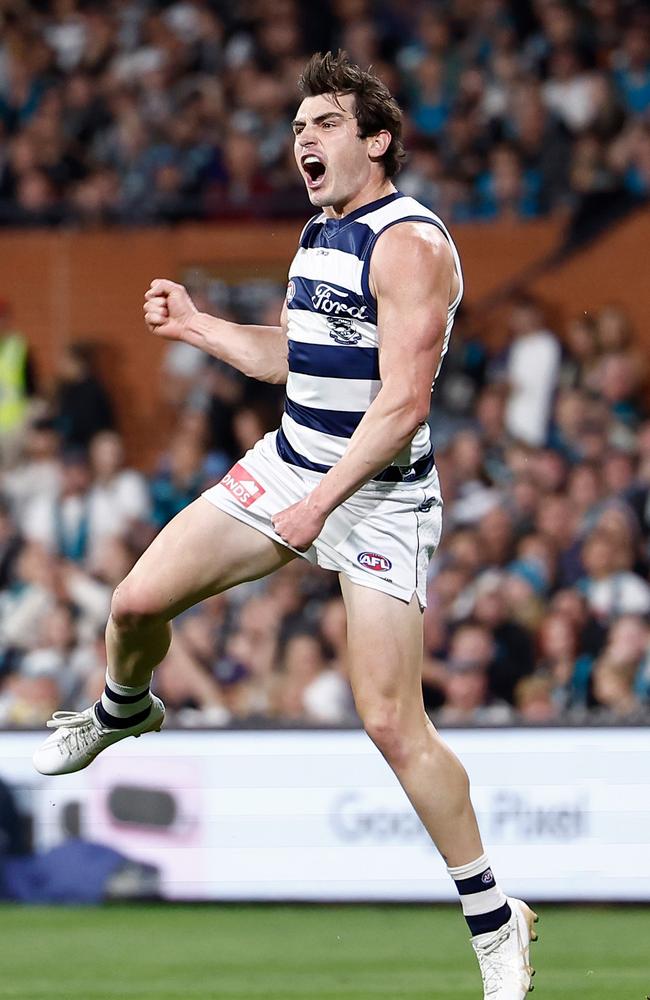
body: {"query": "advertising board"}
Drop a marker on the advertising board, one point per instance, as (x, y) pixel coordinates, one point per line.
(318, 815)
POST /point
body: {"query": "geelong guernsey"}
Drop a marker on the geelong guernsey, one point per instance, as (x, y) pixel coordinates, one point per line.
(333, 341)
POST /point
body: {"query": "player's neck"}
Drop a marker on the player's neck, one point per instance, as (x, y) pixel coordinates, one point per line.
(371, 192)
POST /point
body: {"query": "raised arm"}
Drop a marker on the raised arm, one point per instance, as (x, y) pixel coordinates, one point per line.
(414, 279)
(258, 351)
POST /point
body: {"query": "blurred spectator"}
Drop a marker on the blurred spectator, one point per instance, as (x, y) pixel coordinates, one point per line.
(627, 652)
(28, 701)
(31, 594)
(581, 351)
(10, 544)
(467, 693)
(570, 90)
(507, 190)
(609, 585)
(118, 497)
(534, 700)
(613, 693)
(62, 523)
(55, 652)
(82, 407)
(179, 482)
(38, 474)
(513, 656)
(184, 683)
(470, 487)
(307, 688)
(17, 386)
(561, 663)
(632, 68)
(531, 372)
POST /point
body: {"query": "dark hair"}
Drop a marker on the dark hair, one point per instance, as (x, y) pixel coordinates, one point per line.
(376, 110)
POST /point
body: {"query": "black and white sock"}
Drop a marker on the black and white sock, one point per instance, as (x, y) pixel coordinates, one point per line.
(121, 706)
(485, 907)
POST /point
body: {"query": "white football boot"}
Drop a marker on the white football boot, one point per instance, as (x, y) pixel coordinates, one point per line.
(80, 736)
(503, 955)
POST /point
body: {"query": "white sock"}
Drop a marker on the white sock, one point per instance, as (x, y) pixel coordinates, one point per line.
(485, 907)
(122, 706)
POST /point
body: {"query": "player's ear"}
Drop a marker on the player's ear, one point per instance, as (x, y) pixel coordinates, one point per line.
(378, 144)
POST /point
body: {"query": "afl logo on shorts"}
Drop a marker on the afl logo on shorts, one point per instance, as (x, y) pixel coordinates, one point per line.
(374, 561)
(291, 290)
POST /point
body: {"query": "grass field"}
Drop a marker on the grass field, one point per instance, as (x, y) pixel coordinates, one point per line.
(295, 953)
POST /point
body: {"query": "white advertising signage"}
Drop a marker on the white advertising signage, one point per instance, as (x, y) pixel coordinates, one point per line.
(565, 813)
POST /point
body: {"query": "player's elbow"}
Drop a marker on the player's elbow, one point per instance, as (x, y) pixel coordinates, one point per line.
(414, 411)
(406, 414)
(420, 411)
(280, 375)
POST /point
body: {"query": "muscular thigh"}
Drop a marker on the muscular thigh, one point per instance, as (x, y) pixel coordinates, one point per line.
(202, 552)
(384, 647)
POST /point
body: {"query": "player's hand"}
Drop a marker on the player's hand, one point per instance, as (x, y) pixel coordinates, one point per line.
(300, 524)
(168, 309)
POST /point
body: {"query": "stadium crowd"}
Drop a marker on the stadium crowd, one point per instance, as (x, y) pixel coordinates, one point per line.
(140, 111)
(538, 599)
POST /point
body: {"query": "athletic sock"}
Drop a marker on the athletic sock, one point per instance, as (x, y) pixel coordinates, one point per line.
(485, 907)
(121, 706)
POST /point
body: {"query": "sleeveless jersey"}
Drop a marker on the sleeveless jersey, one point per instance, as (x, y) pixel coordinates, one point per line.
(333, 339)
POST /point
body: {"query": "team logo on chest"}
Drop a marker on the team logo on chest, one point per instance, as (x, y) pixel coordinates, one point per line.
(343, 330)
(291, 290)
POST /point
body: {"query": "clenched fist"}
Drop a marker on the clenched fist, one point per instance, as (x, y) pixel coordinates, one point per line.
(168, 308)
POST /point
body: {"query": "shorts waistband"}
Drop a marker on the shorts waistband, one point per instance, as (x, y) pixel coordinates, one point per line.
(391, 474)
(407, 473)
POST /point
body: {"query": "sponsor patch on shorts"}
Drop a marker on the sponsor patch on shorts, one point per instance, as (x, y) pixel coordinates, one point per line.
(374, 561)
(242, 485)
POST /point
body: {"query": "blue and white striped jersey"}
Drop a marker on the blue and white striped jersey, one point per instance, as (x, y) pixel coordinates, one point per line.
(333, 341)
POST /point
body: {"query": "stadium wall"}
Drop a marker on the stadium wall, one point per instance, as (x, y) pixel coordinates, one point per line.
(318, 815)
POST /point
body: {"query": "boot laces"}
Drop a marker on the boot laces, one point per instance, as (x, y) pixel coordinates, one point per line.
(493, 968)
(79, 729)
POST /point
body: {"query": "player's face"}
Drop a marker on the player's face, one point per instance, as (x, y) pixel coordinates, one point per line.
(332, 159)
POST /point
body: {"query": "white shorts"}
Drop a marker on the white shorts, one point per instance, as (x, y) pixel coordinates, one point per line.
(382, 537)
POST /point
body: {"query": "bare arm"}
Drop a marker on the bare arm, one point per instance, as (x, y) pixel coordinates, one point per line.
(258, 351)
(414, 279)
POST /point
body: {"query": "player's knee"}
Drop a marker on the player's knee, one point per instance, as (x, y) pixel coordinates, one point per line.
(133, 607)
(385, 725)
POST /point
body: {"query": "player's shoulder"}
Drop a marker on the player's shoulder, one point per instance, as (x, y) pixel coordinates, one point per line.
(401, 223)
(411, 243)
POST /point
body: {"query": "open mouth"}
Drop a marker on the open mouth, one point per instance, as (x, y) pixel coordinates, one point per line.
(314, 170)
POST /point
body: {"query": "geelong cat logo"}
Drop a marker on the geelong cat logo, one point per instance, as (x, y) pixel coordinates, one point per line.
(291, 290)
(374, 561)
(342, 330)
(328, 300)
